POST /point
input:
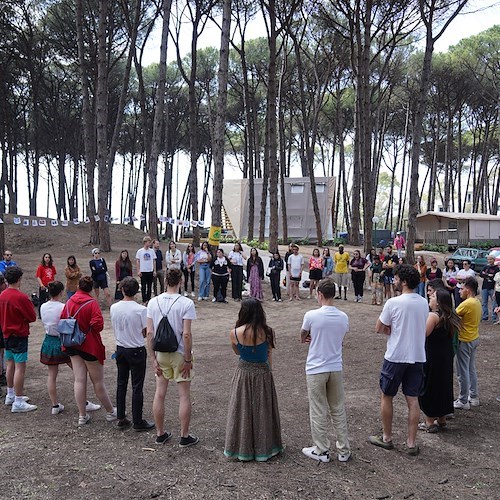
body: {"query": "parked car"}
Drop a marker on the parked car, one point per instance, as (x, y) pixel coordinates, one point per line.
(495, 251)
(476, 256)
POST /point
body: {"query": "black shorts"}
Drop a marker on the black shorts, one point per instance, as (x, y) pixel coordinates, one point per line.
(315, 274)
(71, 351)
(101, 283)
(409, 375)
(17, 345)
(292, 278)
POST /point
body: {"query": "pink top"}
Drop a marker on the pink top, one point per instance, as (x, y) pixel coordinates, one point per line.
(315, 263)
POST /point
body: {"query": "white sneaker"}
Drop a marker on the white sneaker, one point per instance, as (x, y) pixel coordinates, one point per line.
(10, 399)
(311, 453)
(192, 294)
(92, 406)
(474, 401)
(214, 300)
(22, 407)
(461, 406)
(57, 409)
(84, 420)
(185, 294)
(344, 457)
(110, 417)
(200, 299)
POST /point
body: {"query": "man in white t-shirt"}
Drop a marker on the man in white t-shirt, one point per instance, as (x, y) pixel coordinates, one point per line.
(295, 264)
(324, 329)
(177, 366)
(403, 320)
(128, 319)
(145, 259)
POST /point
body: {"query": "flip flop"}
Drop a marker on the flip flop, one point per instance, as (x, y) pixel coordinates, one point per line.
(413, 452)
(379, 441)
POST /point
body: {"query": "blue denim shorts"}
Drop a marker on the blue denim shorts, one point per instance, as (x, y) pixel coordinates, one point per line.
(409, 375)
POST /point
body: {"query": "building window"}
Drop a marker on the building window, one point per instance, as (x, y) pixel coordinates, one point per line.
(452, 224)
(296, 188)
(321, 187)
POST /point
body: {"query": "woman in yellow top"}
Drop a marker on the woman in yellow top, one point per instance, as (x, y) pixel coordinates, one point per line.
(341, 259)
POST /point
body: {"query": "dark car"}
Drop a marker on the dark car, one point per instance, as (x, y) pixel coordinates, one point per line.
(476, 256)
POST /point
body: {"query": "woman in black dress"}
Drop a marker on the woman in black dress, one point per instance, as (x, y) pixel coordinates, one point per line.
(436, 400)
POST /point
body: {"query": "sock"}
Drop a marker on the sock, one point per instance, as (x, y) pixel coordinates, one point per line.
(19, 400)
(10, 392)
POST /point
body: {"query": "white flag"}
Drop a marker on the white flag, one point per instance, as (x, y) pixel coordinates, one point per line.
(17, 220)
(97, 218)
(126, 220)
(34, 223)
(42, 223)
(26, 222)
(54, 222)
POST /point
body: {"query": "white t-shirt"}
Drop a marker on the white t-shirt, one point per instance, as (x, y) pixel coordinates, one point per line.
(407, 317)
(146, 260)
(295, 262)
(463, 275)
(51, 314)
(327, 326)
(177, 256)
(181, 310)
(128, 319)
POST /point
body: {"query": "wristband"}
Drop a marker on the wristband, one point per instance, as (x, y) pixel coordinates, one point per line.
(186, 361)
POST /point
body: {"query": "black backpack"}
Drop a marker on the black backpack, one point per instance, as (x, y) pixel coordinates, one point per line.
(165, 338)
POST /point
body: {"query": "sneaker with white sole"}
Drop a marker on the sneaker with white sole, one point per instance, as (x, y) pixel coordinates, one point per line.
(343, 457)
(200, 299)
(89, 406)
(22, 407)
(474, 401)
(192, 294)
(10, 399)
(57, 409)
(214, 300)
(461, 406)
(189, 440)
(311, 453)
(84, 420)
(111, 416)
(185, 294)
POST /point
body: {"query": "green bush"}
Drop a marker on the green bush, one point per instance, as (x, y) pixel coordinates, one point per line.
(435, 248)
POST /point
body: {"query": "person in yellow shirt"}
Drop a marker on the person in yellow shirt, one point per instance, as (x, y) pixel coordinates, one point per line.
(341, 259)
(469, 311)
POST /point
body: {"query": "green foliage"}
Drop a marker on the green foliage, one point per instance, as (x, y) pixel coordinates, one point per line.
(256, 244)
(429, 247)
(484, 244)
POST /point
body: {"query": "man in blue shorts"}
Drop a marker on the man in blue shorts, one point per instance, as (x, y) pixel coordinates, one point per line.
(403, 320)
(16, 313)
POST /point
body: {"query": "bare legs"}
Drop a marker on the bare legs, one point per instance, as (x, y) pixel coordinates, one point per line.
(386, 411)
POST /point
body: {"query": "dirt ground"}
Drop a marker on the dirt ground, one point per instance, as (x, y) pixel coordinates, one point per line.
(44, 456)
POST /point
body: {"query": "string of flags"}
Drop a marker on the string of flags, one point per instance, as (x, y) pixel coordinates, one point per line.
(37, 222)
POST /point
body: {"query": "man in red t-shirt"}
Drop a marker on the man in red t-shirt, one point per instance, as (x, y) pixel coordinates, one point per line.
(16, 313)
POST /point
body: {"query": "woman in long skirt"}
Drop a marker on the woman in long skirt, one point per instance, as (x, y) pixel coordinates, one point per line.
(255, 274)
(253, 430)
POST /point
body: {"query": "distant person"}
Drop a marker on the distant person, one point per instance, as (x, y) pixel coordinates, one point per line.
(488, 289)
(88, 358)
(237, 258)
(51, 353)
(324, 329)
(389, 262)
(188, 259)
(3, 379)
(99, 271)
(433, 272)
(221, 268)
(450, 272)
(376, 281)
(145, 262)
(6, 262)
(295, 265)
(341, 259)
(123, 269)
(358, 266)
(159, 268)
(462, 275)
(173, 366)
(45, 273)
(276, 265)
(255, 274)
(173, 256)
(315, 271)
(16, 314)
(73, 274)
(403, 320)
(327, 263)
(128, 319)
(203, 257)
(399, 243)
(253, 430)
(436, 400)
(469, 311)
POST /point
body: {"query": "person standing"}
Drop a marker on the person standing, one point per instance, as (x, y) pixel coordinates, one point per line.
(221, 267)
(204, 257)
(255, 274)
(173, 366)
(237, 259)
(73, 274)
(188, 259)
(253, 430)
(462, 275)
(327, 263)
(488, 289)
(341, 259)
(99, 271)
(376, 281)
(358, 266)
(469, 311)
(295, 265)
(16, 314)
(315, 271)
(128, 319)
(123, 269)
(388, 264)
(276, 265)
(45, 273)
(324, 329)
(145, 263)
(160, 274)
(403, 320)
(399, 243)
(6, 262)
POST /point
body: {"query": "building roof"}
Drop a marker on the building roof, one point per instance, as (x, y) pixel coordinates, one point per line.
(460, 215)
